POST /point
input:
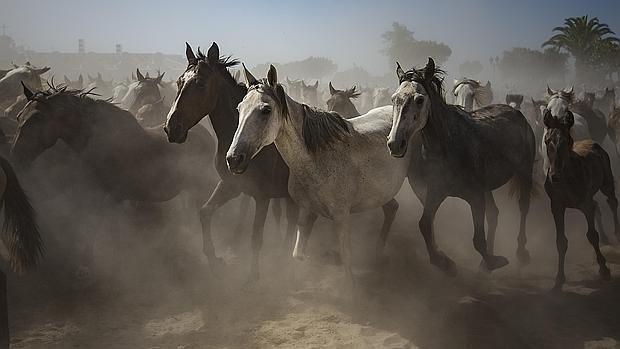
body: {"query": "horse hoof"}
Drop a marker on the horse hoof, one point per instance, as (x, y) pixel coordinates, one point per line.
(444, 263)
(523, 256)
(496, 262)
(604, 273)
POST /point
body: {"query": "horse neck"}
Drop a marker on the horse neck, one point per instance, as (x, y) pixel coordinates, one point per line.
(225, 116)
(106, 124)
(436, 133)
(351, 111)
(290, 141)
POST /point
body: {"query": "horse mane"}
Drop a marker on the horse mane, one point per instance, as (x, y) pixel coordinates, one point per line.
(351, 92)
(223, 63)
(320, 128)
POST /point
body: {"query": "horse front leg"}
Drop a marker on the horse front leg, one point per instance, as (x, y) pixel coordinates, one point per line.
(477, 204)
(437, 257)
(492, 212)
(306, 222)
(292, 216)
(561, 243)
(222, 194)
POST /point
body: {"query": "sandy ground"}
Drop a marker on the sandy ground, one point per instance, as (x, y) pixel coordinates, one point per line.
(162, 295)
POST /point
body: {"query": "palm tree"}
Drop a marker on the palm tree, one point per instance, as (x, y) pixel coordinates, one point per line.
(581, 37)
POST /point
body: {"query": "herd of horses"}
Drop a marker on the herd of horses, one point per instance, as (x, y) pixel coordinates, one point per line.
(272, 142)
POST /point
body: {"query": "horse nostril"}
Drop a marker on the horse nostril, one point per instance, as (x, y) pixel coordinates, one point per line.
(403, 145)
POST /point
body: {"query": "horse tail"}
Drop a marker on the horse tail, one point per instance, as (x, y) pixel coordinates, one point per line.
(20, 233)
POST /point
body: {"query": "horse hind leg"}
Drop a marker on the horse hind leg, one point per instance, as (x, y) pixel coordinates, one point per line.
(525, 189)
(609, 191)
(276, 207)
(491, 213)
(389, 214)
(593, 238)
(599, 223)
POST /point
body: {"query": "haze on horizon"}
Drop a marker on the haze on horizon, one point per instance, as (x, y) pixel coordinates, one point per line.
(348, 32)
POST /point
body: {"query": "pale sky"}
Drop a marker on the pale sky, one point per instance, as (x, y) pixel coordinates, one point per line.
(349, 32)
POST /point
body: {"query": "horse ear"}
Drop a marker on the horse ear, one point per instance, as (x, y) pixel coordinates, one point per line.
(303, 84)
(429, 70)
(533, 101)
(213, 55)
(550, 92)
(272, 76)
(42, 70)
(287, 80)
(189, 54)
(139, 75)
(316, 84)
(400, 72)
(147, 75)
(237, 75)
(67, 81)
(27, 92)
(488, 85)
(332, 90)
(507, 99)
(81, 79)
(160, 77)
(249, 78)
(572, 88)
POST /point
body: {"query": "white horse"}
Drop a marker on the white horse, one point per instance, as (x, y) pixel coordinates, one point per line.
(468, 91)
(337, 166)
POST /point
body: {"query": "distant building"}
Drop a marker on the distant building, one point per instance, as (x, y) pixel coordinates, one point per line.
(116, 65)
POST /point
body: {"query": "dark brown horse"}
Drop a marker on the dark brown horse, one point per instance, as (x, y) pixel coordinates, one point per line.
(577, 171)
(340, 101)
(465, 156)
(207, 88)
(127, 161)
(19, 235)
(145, 91)
(597, 122)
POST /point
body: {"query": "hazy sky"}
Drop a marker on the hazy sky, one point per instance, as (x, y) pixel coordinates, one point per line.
(278, 31)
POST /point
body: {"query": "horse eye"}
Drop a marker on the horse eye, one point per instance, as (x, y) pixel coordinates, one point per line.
(419, 100)
(265, 110)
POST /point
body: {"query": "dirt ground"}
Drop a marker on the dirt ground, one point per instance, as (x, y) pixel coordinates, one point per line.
(151, 287)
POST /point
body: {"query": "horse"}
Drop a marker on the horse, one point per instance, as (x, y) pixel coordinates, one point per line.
(127, 161)
(340, 101)
(150, 115)
(294, 88)
(74, 85)
(597, 121)
(10, 84)
(142, 92)
(310, 93)
(467, 91)
(577, 171)
(337, 166)
(207, 88)
(381, 96)
(607, 103)
(104, 89)
(514, 100)
(120, 91)
(20, 235)
(466, 155)
(614, 129)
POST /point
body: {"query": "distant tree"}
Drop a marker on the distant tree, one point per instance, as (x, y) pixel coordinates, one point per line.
(523, 65)
(402, 46)
(309, 68)
(470, 68)
(582, 37)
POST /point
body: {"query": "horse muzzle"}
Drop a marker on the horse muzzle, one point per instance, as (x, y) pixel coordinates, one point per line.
(237, 163)
(398, 148)
(175, 133)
